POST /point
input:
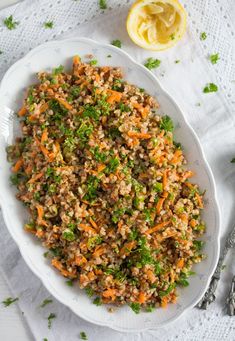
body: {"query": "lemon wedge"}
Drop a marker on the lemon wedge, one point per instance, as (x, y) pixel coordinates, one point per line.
(156, 25)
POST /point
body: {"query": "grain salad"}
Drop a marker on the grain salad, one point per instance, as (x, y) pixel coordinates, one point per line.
(107, 187)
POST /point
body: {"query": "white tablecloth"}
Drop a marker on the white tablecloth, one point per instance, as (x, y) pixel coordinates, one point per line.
(213, 121)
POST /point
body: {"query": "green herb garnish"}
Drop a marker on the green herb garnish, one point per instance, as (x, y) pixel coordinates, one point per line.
(203, 36)
(68, 235)
(135, 307)
(46, 302)
(83, 336)
(10, 23)
(233, 160)
(152, 63)
(48, 24)
(89, 291)
(50, 318)
(92, 187)
(9, 300)
(167, 291)
(93, 62)
(56, 71)
(69, 283)
(166, 123)
(211, 87)
(117, 43)
(97, 301)
(214, 58)
(103, 4)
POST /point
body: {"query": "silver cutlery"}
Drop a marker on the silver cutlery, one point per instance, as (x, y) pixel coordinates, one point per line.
(209, 296)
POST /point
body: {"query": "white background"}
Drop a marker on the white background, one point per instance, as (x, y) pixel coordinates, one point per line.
(12, 326)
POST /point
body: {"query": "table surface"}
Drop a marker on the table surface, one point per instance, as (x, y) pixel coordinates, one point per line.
(11, 322)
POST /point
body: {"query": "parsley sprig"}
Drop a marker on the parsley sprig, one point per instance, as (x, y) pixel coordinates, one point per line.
(152, 63)
(210, 87)
(10, 23)
(9, 300)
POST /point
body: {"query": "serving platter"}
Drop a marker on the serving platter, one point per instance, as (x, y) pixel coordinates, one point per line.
(12, 91)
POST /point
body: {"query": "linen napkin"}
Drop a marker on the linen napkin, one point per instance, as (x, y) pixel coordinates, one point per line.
(212, 118)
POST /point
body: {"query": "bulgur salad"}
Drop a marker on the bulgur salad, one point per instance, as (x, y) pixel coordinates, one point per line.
(107, 187)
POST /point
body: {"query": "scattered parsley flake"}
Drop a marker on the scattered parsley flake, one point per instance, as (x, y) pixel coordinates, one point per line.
(1, 52)
(48, 24)
(69, 283)
(93, 62)
(198, 104)
(89, 291)
(83, 336)
(46, 254)
(10, 23)
(203, 36)
(172, 36)
(45, 339)
(56, 71)
(210, 87)
(117, 43)
(166, 123)
(46, 302)
(9, 300)
(177, 61)
(109, 56)
(135, 307)
(233, 160)
(97, 301)
(152, 63)
(50, 318)
(103, 4)
(214, 58)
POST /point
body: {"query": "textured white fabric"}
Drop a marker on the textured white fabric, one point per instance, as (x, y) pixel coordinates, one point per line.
(213, 121)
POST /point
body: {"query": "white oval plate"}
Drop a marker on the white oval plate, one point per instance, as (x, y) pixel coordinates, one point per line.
(12, 89)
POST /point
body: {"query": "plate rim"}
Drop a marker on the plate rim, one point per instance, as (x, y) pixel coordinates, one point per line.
(25, 255)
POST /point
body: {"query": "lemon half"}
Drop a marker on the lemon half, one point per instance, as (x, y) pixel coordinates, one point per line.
(156, 25)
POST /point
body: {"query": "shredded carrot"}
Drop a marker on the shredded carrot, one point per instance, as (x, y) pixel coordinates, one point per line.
(188, 174)
(97, 77)
(43, 108)
(176, 157)
(64, 103)
(35, 178)
(56, 264)
(76, 60)
(40, 233)
(158, 227)
(137, 135)
(80, 260)
(164, 302)
(115, 96)
(101, 168)
(126, 249)
(151, 276)
(164, 179)
(28, 169)
(40, 216)
(110, 293)
(44, 136)
(180, 263)
(184, 217)
(160, 204)
(143, 110)
(193, 223)
(93, 223)
(99, 250)
(87, 228)
(199, 200)
(142, 297)
(22, 111)
(17, 165)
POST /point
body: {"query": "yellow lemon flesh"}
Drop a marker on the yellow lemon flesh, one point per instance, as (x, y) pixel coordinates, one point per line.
(156, 25)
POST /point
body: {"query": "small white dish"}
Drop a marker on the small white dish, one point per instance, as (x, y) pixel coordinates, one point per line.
(12, 89)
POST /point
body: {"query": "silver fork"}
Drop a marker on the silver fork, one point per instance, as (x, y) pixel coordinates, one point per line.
(209, 296)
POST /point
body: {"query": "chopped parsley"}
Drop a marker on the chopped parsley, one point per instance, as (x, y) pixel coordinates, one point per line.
(103, 4)
(233, 160)
(162, 293)
(83, 336)
(198, 244)
(98, 156)
(75, 91)
(92, 187)
(109, 56)
(214, 58)
(56, 71)
(97, 301)
(158, 187)
(177, 61)
(91, 112)
(15, 179)
(211, 87)
(93, 62)
(124, 107)
(46, 302)
(135, 307)
(84, 131)
(50, 318)
(68, 235)
(10, 23)
(152, 63)
(117, 43)
(89, 291)
(9, 300)
(48, 24)
(69, 283)
(203, 36)
(167, 123)
(150, 308)
(112, 165)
